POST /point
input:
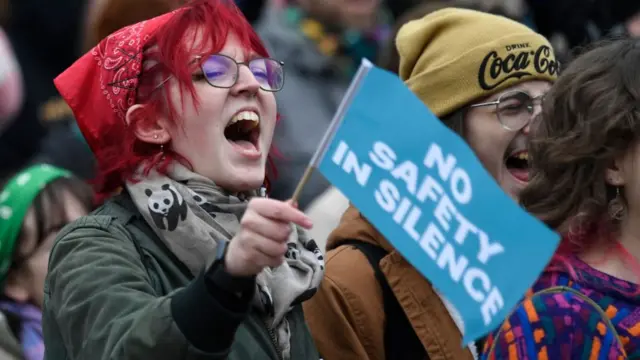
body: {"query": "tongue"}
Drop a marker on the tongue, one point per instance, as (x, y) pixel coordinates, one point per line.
(244, 144)
(520, 174)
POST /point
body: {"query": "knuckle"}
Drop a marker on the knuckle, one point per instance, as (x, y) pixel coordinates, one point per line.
(277, 212)
(285, 231)
(241, 241)
(256, 202)
(248, 258)
(248, 220)
(244, 244)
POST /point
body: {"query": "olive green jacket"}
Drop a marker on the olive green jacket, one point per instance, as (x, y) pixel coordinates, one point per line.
(114, 291)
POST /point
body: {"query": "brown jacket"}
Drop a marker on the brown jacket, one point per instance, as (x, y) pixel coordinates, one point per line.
(346, 316)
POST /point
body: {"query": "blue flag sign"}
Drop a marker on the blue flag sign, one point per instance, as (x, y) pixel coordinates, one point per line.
(423, 188)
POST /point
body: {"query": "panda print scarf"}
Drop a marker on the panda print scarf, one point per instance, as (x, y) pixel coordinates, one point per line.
(192, 216)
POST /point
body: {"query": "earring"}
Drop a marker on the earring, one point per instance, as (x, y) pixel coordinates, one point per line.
(162, 156)
(616, 206)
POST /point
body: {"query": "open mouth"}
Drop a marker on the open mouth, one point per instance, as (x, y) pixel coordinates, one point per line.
(518, 165)
(243, 132)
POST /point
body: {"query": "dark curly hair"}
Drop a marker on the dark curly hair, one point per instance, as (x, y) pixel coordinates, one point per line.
(590, 117)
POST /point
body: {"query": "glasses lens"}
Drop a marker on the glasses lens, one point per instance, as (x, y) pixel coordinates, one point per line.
(220, 70)
(269, 73)
(515, 110)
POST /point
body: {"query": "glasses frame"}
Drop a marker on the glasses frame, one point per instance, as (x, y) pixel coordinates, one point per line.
(238, 64)
(534, 100)
(235, 81)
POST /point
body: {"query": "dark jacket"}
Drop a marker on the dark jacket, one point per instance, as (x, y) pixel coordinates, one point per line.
(582, 22)
(9, 346)
(114, 291)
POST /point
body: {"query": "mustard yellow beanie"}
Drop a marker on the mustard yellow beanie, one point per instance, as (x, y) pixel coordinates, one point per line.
(453, 57)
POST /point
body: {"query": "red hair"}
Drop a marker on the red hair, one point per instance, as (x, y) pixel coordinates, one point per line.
(581, 238)
(578, 239)
(123, 153)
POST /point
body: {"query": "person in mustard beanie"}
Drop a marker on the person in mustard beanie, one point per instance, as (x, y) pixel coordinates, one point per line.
(484, 76)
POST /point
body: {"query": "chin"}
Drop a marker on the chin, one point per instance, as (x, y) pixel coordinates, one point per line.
(515, 194)
(243, 180)
(243, 186)
(512, 186)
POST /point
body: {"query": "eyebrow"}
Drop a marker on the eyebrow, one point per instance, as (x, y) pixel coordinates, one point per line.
(251, 55)
(495, 97)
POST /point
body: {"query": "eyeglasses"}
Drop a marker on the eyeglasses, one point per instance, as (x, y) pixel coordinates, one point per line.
(222, 71)
(514, 109)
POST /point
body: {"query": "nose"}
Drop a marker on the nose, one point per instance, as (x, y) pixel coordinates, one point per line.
(247, 83)
(536, 107)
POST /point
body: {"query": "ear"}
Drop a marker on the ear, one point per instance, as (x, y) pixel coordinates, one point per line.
(146, 130)
(614, 175)
(14, 287)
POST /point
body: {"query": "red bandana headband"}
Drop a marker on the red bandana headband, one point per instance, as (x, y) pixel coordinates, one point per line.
(102, 85)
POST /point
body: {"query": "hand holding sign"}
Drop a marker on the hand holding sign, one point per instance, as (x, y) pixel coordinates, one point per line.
(261, 240)
(426, 192)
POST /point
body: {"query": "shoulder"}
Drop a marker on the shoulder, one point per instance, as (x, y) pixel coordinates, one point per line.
(103, 233)
(552, 325)
(89, 255)
(90, 227)
(111, 218)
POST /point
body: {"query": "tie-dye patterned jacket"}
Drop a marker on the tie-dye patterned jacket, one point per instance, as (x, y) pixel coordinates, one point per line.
(564, 326)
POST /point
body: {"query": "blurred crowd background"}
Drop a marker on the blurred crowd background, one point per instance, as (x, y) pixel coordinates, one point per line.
(320, 41)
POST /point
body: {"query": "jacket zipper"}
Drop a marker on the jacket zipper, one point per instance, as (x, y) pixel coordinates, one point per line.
(274, 340)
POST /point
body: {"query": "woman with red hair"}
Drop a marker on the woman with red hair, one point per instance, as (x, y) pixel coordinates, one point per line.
(190, 260)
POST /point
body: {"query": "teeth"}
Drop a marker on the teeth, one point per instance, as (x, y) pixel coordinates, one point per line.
(251, 116)
(523, 156)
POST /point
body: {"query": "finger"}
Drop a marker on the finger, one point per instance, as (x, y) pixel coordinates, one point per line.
(263, 260)
(268, 228)
(280, 211)
(292, 203)
(267, 247)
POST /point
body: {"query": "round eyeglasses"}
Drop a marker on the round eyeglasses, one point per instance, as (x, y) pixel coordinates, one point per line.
(222, 71)
(514, 109)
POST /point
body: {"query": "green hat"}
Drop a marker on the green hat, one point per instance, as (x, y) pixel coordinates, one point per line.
(15, 200)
